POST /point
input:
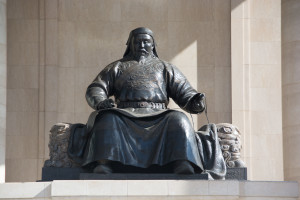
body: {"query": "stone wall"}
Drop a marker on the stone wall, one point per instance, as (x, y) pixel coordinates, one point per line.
(22, 135)
(2, 88)
(57, 47)
(291, 88)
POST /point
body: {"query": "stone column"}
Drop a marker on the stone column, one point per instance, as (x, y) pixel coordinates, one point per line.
(256, 84)
(2, 88)
(291, 88)
(22, 108)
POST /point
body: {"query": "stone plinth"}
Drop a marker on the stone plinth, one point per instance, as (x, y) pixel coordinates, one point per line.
(57, 173)
(151, 189)
(136, 176)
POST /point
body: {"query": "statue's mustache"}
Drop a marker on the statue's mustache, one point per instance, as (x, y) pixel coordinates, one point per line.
(143, 51)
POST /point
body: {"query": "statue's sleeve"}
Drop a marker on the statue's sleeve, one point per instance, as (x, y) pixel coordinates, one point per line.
(102, 86)
(180, 90)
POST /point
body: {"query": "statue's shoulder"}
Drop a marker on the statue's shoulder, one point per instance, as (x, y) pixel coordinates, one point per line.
(115, 64)
(172, 70)
(163, 62)
(112, 66)
(167, 65)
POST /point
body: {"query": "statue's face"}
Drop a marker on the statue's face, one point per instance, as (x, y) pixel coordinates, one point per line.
(142, 45)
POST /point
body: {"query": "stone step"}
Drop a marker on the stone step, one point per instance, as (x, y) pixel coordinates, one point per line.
(150, 189)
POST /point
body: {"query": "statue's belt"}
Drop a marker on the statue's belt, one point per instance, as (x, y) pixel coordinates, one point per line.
(141, 104)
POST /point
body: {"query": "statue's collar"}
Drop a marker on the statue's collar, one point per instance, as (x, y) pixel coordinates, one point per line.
(143, 61)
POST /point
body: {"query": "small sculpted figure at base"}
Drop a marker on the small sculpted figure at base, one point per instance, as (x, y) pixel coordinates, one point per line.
(140, 131)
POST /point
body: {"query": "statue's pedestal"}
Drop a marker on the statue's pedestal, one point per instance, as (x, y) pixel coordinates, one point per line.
(136, 176)
(56, 173)
(150, 189)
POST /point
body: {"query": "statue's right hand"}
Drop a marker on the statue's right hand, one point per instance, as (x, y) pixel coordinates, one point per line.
(107, 103)
(199, 104)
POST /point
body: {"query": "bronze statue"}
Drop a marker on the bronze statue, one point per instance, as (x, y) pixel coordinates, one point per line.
(141, 131)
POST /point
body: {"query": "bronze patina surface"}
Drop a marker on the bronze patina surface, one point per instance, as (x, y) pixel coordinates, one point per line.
(138, 129)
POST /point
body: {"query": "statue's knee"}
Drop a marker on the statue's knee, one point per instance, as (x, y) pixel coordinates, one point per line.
(178, 117)
(107, 115)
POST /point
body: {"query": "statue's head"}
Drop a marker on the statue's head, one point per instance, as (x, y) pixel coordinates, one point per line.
(140, 43)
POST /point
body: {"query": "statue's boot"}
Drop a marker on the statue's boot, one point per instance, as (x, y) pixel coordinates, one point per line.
(103, 168)
(183, 167)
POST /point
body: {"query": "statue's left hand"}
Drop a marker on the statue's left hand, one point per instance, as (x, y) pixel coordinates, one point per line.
(107, 103)
(198, 103)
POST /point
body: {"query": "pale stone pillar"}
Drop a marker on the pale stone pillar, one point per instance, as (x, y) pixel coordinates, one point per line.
(256, 84)
(291, 88)
(2, 88)
(22, 108)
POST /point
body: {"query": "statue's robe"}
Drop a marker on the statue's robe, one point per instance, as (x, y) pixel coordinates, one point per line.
(141, 137)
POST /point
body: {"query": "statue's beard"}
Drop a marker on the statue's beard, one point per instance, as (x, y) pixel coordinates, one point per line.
(140, 56)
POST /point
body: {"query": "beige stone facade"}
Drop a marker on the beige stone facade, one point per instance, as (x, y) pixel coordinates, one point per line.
(291, 88)
(3, 45)
(229, 49)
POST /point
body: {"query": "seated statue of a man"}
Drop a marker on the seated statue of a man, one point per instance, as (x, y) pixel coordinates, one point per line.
(141, 131)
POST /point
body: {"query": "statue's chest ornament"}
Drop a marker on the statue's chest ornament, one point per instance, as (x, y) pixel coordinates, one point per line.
(143, 77)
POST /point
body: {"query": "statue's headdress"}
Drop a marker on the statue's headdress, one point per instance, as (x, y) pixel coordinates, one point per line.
(140, 30)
